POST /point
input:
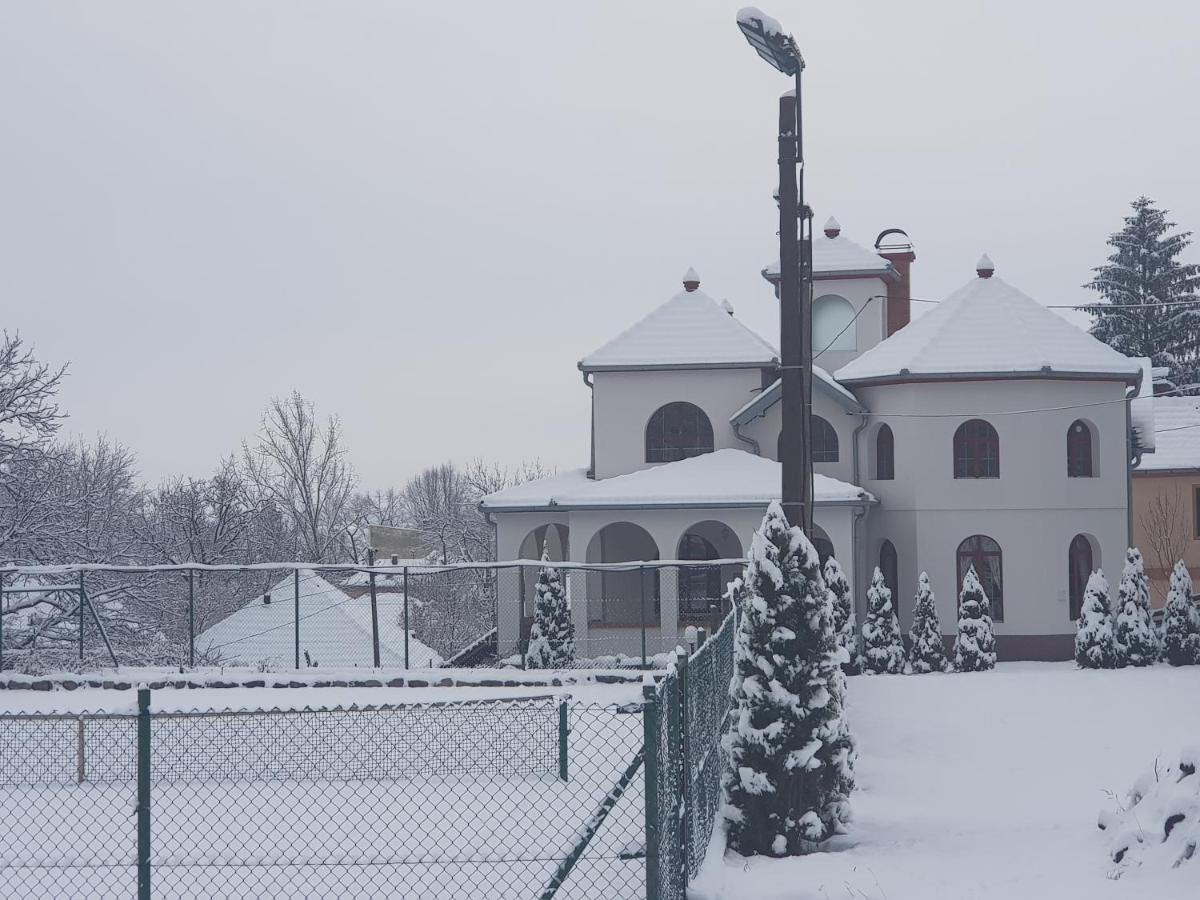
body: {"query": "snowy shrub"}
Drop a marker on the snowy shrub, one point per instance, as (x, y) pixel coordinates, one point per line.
(882, 644)
(552, 636)
(1134, 637)
(845, 628)
(1181, 623)
(1159, 824)
(1094, 635)
(975, 643)
(791, 755)
(926, 651)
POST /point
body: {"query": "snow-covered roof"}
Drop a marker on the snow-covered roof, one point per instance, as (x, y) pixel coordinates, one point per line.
(386, 579)
(1176, 436)
(335, 630)
(765, 399)
(722, 478)
(988, 327)
(839, 257)
(689, 330)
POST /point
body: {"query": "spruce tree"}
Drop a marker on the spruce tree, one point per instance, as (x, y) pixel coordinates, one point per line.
(975, 644)
(845, 628)
(552, 637)
(1181, 622)
(882, 643)
(1136, 641)
(790, 751)
(926, 651)
(1141, 286)
(1094, 647)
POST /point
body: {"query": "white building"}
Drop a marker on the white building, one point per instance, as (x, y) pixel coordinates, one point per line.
(988, 431)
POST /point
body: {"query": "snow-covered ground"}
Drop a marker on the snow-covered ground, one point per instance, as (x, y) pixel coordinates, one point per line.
(988, 785)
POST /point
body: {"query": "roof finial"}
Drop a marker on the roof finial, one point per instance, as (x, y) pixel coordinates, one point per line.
(727, 306)
(985, 268)
(691, 280)
(832, 228)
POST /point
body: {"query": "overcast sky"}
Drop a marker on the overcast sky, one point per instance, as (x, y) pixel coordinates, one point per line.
(421, 215)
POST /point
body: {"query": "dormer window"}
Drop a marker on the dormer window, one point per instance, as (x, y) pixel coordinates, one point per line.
(833, 325)
(678, 431)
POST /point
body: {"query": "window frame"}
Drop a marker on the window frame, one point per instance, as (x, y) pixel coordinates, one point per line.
(846, 340)
(830, 450)
(978, 554)
(1075, 597)
(889, 567)
(1080, 449)
(882, 472)
(665, 451)
(976, 450)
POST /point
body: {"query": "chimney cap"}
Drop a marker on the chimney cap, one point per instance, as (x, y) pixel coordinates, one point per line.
(832, 227)
(691, 280)
(985, 268)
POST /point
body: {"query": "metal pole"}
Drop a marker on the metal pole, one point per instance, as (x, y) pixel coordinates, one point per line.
(191, 618)
(564, 729)
(374, 612)
(406, 665)
(685, 762)
(143, 795)
(1, 621)
(642, 587)
(650, 743)
(296, 605)
(81, 617)
(806, 292)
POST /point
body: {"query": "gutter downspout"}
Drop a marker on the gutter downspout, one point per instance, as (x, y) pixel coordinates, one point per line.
(737, 433)
(1131, 462)
(860, 514)
(591, 472)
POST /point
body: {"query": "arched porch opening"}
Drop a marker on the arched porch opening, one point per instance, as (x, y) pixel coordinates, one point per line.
(702, 588)
(622, 597)
(553, 538)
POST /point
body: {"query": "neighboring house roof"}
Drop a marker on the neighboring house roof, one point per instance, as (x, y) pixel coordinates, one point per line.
(691, 330)
(988, 327)
(840, 257)
(771, 395)
(393, 579)
(1176, 436)
(724, 478)
(334, 629)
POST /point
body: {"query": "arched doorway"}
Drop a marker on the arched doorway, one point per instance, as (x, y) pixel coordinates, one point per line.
(1081, 562)
(889, 565)
(553, 538)
(702, 589)
(621, 597)
(984, 554)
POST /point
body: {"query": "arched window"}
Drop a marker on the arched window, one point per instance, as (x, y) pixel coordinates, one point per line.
(678, 431)
(889, 565)
(983, 553)
(1079, 567)
(832, 328)
(1079, 450)
(824, 442)
(976, 450)
(885, 454)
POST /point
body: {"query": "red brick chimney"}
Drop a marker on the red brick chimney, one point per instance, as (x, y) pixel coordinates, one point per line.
(894, 246)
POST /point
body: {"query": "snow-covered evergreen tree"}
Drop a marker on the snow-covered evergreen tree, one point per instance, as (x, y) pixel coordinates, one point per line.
(790, 750)
(926, 651)
(552, 637)
(1094, 647)
(1135, 640)
(1140, 285)
(845, 627)
(1181, 622)
(975, 644)
(882, 643)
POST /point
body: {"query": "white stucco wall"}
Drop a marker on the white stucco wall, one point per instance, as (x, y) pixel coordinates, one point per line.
(623, 403)
(1032, 510)
(869, 327)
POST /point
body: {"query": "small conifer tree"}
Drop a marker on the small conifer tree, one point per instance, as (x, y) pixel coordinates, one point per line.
(790, 751)
(1094, 648)
(1136, 641)
(975, 644)
(844, 626)
(552, 636)
(882, 643)
(926, 651)
(1181, 622)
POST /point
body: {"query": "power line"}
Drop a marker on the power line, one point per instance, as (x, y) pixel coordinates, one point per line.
(1085, 306)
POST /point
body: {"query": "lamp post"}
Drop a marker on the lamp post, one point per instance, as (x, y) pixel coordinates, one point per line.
(770, 42)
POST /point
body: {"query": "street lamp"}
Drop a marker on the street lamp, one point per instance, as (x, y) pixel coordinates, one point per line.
(770, 42)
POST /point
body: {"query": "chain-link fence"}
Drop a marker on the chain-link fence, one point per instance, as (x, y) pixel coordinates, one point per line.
(277, 617)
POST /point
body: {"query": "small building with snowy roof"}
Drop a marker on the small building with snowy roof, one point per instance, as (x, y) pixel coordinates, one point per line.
(335, 629)
(987, 432)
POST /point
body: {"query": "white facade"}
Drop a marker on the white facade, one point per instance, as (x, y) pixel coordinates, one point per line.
(998, 492)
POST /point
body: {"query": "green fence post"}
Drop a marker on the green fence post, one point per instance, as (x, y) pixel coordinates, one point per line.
(296, 604)
(374, 612)
(650, 739)
(1, 621)
(143, 795)
(642, 586)
(701, 637)
(685, 764)
(191, 618)
(406, 664)
(81, 617)
(564, 729)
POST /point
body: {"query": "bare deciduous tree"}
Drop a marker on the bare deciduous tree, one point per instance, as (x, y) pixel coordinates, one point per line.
(1165, 522)
(29, 413)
